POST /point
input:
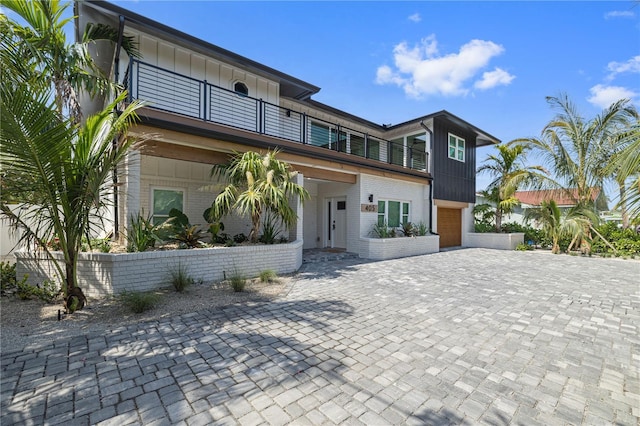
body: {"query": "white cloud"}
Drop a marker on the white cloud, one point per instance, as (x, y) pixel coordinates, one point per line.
(619, 14)
(415, 17)
(420, 70)
(631, 66)
(491, 79)
(603, 96)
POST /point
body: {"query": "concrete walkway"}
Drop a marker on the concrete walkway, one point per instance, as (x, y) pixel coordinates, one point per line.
(462, 337)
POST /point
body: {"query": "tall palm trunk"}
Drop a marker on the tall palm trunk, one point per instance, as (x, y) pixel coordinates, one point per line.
(498, 220)
(622, 190)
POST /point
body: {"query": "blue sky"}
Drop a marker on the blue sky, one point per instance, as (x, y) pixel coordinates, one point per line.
(491, 63)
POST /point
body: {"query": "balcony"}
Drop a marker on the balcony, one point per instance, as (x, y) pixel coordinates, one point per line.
(168, 91)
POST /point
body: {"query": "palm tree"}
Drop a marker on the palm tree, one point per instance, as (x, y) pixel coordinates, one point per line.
(59, 169)
(576, 149)
(576, 223)
(257, 184)
(509, 172)
(41, 54)
(625, 165)
(556, 225)
(550, 217)
(56, 168)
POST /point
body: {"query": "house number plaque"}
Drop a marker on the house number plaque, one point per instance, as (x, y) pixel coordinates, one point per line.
(369, 208)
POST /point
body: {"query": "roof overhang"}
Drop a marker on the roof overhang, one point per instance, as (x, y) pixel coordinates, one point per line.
(482, 138)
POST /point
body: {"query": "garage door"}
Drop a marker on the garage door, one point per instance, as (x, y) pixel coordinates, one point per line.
(450, 227)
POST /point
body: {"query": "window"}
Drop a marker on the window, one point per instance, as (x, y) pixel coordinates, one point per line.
(397, 152)
(356, 145)
(417, 151)
(456, 148)
(327, 136)
(393, 213)
(163, 201)
(321, 135)
(241, 89)
(373, 148)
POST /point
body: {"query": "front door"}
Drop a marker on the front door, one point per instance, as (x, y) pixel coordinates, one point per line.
(337, 222)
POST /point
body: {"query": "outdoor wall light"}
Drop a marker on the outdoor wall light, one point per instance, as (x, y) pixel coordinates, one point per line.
(371, 198)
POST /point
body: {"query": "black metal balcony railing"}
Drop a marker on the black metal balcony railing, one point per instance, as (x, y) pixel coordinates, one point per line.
(169, 91)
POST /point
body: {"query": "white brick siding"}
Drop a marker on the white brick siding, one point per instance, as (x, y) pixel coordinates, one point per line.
(391, 248)
(101, 274)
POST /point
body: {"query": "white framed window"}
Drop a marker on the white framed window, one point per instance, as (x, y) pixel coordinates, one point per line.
(456, 148)
(393, 213)
(163, 200)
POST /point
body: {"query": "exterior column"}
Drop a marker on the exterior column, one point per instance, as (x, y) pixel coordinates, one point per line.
(129, 193)
(297, 233)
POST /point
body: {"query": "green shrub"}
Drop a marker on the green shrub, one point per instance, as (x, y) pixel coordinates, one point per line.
(483, 228)
(102, 244)
(422, 229)
(189, 236)
(238, 281)
(383, 231)
(7, 275)
(511, 227)
(408, 230)
(25, 291)
(240, 238)
(142, 233)
(268, 276)
(270, 230)
(48, 291)
(139, 302)
(523, 247)
(625, 241)
(181, 231)
(215, 226)
(180, 278)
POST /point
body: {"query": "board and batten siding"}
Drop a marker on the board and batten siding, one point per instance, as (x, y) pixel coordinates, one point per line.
(186, 62)
(453, 180)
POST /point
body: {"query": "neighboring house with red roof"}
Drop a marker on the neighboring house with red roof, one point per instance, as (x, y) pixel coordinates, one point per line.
(565, 199)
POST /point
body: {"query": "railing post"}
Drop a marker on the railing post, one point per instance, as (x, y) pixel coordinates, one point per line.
(130, 82)
(304, 127)
(260, 110)
(204, 100)
(366, 145)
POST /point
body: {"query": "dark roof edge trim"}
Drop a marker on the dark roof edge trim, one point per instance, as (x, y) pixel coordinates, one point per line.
(490, 139)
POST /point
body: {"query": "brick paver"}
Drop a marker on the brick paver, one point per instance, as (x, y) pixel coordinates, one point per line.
(459, 337)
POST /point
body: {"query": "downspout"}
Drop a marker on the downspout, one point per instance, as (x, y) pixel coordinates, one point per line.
(430, 183)
(114, 143)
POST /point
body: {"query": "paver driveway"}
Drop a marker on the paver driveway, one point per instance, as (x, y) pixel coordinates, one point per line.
(468, 336)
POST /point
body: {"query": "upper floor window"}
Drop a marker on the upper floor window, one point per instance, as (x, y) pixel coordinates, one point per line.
(241, 89)
(456, 148)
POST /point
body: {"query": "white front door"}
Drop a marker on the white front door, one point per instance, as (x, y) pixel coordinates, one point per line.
(337, 222)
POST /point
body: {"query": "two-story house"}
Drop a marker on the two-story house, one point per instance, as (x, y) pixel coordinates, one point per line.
(204, 103)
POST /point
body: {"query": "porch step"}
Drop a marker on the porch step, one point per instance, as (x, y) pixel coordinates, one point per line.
(326, 255)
